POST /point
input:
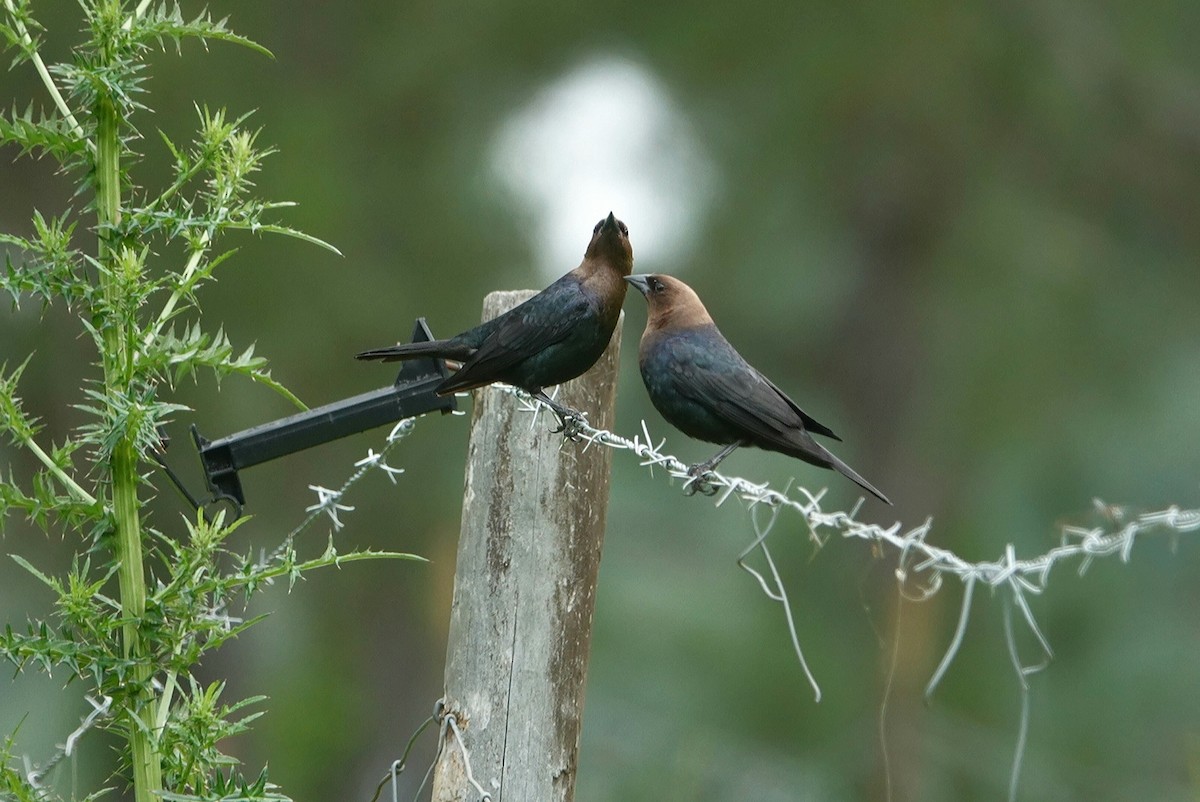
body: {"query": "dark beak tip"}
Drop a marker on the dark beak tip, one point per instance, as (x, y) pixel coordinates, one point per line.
(637, 281)
(611, 218)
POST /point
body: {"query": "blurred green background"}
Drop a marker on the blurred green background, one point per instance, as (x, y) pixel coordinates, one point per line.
(964, 235)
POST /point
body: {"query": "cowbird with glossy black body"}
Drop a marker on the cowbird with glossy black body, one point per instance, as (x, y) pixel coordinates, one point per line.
(704, 387)
(553, 337)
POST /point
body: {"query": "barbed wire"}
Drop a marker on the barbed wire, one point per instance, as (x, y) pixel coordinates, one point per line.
(329, 501)
(920, 565)
(916, 556)
(36, 775)
(447, 722)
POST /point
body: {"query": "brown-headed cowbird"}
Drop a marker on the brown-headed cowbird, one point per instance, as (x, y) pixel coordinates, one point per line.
(553, 337)
(704, 388)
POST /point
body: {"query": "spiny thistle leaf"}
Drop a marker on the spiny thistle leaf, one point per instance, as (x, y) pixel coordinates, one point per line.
(13, 420)
(167, 22)
(52, 269)
(41, 135)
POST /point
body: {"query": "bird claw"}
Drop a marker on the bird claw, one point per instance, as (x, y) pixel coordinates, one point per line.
(699, 482)
(570, 424)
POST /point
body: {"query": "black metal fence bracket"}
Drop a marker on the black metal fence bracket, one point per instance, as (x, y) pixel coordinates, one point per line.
(411, 395)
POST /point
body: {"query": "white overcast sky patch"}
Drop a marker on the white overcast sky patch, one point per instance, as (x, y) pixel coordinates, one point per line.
(605, 136)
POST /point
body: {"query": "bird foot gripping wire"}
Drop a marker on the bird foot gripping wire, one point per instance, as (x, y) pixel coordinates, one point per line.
(571, 422)
(570, 425)
(701, 480)
(698, 474)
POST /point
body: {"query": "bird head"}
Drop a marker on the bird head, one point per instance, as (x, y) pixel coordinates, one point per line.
(610, 243)
(672, 303)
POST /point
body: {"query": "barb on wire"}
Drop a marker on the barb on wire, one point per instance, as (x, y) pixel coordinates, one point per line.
(329, 502)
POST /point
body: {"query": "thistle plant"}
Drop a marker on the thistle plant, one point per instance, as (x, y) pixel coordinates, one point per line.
(137, 608)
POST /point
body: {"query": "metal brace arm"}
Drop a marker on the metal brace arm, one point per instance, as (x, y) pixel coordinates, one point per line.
(412, 394)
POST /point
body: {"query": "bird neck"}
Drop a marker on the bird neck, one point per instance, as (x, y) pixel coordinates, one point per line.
(675, 317)
(597, 276)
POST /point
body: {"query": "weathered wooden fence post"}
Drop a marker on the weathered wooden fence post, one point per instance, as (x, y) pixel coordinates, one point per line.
(524, 590)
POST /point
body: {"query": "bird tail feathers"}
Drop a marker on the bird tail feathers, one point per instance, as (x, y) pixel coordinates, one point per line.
(443, 349)
(852, 475)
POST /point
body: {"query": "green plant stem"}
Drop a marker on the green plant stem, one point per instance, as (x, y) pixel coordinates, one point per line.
(183, 286)
(147, 766)
(68, 482)
(40, 66)
(185, 279)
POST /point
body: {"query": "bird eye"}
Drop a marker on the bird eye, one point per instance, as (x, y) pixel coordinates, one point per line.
(624, 229)
(655, 285)
(596, 230)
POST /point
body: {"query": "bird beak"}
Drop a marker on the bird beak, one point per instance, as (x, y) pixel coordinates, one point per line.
(640, 282)
(610, 223)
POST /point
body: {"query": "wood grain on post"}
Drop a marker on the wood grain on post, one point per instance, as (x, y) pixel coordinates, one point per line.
(533, 517)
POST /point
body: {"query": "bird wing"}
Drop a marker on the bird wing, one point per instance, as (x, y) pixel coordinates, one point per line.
(545, 319)
(810, 423)
(721, 380)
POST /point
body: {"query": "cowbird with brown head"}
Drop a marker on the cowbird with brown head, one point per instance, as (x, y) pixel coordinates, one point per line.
(704, 387)
(553, 337)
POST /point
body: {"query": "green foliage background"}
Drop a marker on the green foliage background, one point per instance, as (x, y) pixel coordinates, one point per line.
(964, 235)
